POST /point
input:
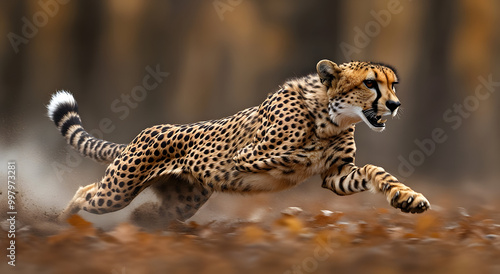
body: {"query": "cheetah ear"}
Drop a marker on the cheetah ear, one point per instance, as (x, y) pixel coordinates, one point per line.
(328, 72)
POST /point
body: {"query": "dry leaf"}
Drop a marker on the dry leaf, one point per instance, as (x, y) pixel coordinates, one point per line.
(253, 234)
(426, 224)
(326, 217)
(81, 225)
(292, 223)
(292, 211)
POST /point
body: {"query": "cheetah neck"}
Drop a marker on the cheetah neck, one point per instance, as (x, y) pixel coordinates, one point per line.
(316, 100)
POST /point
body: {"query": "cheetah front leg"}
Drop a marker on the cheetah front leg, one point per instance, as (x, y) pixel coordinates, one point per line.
(353, 179)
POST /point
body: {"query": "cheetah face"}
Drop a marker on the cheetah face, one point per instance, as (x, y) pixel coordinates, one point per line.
(380, 83)
(359, 91)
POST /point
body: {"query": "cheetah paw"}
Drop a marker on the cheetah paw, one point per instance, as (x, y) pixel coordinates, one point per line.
(409, 201)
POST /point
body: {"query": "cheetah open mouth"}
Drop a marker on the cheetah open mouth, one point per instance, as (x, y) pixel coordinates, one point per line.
(373, 120)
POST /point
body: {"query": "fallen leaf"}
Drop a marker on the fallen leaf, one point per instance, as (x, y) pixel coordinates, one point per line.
(253, 234)
(326, 217)
(292, 223)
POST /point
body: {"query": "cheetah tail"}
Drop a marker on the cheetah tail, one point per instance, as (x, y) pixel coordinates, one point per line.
(63, 110)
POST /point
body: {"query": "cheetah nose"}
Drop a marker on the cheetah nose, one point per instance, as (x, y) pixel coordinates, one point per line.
(392, 105)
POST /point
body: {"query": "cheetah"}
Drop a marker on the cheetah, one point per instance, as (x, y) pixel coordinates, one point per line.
(303, 129)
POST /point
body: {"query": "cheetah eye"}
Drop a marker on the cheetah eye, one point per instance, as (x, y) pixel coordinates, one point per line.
(394, 83)
(370, 83)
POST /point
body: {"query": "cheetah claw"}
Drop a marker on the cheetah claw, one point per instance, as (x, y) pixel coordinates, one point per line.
(409, 201)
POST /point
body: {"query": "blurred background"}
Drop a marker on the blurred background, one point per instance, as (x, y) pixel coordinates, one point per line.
(209, 59)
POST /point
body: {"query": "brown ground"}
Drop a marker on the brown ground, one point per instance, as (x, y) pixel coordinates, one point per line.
(361, 237)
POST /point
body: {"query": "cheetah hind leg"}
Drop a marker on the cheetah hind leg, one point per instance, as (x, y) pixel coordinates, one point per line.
(77, 203)
(179, 200)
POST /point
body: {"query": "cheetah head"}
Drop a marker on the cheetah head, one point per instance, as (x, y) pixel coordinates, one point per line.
(359, 91)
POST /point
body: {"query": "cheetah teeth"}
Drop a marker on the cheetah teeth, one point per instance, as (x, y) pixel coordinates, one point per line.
(380, 121)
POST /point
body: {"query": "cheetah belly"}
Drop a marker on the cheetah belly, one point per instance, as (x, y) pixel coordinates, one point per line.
(276, 179)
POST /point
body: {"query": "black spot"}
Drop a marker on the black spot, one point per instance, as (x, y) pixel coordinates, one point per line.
(348, 159)
(136, 191)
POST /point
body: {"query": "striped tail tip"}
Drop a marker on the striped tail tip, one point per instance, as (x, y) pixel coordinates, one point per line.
(60, 104)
